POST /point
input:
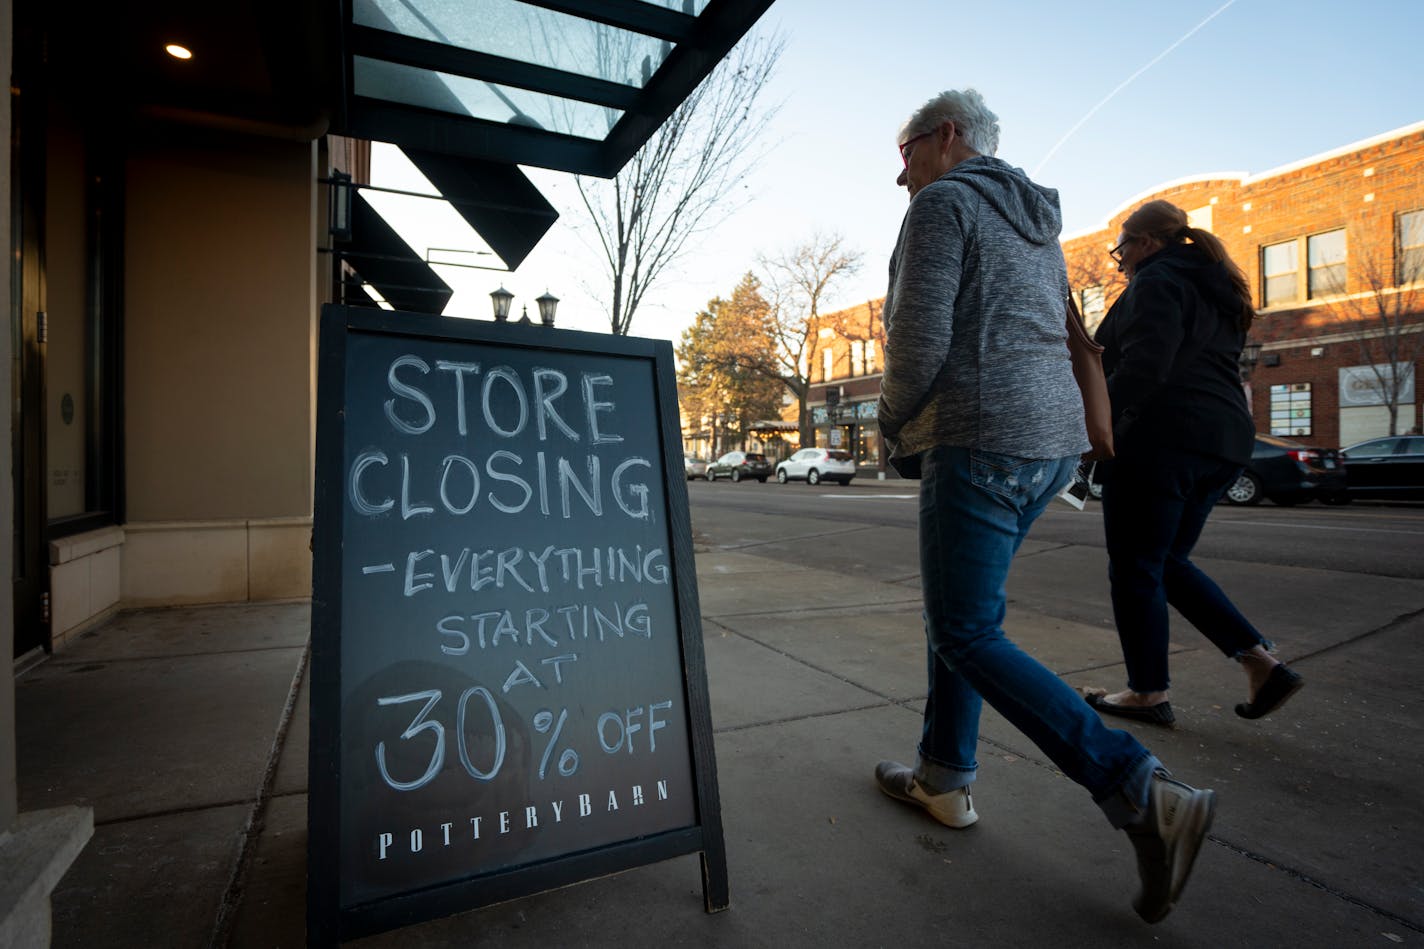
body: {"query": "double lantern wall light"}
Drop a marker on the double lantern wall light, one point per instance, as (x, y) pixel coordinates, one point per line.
(501, 299)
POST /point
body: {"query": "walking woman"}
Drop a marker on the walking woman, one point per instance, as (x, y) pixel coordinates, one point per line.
(1182, 433)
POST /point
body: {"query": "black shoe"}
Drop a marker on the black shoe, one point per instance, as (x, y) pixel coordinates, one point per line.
(1159, 714)
(1167, 840)
(1280, 685)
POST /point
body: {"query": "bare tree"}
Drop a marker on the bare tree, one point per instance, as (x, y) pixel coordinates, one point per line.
(1384, 317)
(682, 180)
(798, 281)
(1092, 273)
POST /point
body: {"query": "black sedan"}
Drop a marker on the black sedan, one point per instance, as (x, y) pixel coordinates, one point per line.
(739, 465)
(1390, 467)
(1288, 473)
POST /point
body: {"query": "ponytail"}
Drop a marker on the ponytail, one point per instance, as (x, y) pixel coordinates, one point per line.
(1212, 246)
(1164, 221)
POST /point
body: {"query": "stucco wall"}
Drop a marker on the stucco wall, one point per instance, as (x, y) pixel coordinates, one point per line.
(219, 309)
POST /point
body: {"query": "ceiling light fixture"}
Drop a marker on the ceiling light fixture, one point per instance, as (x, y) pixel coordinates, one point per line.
(178, 52)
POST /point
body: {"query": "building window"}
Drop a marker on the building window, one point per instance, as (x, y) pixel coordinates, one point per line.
(828, 363)
(1280, 268)
(857, 358)
(1411, 247)
(1200, 218)
(1290, 409)
(1093, 302)
(870, 355)
(1326, 256)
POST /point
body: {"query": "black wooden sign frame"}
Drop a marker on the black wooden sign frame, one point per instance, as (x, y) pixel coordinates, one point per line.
(328, 921)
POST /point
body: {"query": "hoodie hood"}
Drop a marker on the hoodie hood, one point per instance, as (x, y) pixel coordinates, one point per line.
(1031, 209)
(1210, 277)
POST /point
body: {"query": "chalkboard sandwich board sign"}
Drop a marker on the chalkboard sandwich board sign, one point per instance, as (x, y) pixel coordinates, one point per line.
(508, 685)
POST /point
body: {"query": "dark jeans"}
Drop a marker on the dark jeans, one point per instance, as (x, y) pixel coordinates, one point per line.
(1154, 509)
(976, 507)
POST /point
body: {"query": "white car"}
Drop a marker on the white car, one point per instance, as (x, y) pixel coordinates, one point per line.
(814, 465)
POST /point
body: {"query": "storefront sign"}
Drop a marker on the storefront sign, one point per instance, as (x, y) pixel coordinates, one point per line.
(508, 685)
(1361, 385)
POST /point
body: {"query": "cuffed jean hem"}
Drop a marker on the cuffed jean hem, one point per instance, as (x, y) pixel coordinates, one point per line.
(1127, 803)
(939, 777)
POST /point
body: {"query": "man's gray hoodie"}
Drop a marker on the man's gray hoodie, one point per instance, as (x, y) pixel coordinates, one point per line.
(976, 348)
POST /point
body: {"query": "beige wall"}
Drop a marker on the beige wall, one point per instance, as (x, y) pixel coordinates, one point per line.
(219, 313)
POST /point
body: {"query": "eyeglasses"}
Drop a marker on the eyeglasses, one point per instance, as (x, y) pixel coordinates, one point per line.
(1116, 252)
(904, 148)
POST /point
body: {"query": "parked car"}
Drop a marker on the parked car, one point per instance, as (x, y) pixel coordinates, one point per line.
(1390, 467)
(695, 467)
(1288, 472)
(814, 465)
(739, 465)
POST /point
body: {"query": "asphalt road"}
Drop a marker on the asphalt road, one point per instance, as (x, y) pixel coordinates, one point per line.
(860, 529)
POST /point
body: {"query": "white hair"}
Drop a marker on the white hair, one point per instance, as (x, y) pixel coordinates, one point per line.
(966, 109)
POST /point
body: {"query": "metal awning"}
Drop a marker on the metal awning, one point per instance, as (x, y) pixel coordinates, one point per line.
(494, 198)
(382, 259)
(572, 85)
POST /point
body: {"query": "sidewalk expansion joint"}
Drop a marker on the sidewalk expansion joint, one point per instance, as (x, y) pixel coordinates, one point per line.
(1317, 884)
(801, 718)
(797, 659)
(784, 540)
(171, 812)
(1389, 627)
(256, 818)
(854, 607)
(1239, 850)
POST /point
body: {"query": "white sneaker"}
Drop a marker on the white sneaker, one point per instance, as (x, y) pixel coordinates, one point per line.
(1167, 839)
(952, 808)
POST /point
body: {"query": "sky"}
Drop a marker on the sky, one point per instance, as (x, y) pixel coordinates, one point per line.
(1102, 99)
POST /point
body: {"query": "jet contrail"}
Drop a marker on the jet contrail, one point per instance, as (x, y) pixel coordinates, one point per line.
(1126, 82)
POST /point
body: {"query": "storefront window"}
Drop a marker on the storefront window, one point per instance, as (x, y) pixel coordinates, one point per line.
(867, 445)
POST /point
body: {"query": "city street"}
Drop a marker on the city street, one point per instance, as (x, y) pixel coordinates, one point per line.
(1372, 538)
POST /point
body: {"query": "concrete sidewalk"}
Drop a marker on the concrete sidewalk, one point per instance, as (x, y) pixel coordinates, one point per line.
(186, 731)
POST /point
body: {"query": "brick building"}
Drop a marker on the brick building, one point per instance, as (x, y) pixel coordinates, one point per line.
(848, 362)
(1330, 244)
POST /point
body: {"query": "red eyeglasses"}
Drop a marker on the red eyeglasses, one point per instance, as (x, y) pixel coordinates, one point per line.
(904, 153)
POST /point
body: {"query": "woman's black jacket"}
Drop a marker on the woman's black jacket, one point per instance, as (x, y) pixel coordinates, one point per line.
(1172, 343)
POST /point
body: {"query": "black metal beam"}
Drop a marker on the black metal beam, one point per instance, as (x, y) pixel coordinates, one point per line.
(439, 57)
(473, 138)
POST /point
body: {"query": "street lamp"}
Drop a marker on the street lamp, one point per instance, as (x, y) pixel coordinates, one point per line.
(1246, 363)
(501, 299)
(548, 303)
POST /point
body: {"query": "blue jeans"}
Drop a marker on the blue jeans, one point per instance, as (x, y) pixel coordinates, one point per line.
(975, 509)
(1154, 509)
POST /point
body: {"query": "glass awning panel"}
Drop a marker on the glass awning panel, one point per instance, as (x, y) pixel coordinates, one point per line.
(481, 99)
(512, 29)
(572, 85)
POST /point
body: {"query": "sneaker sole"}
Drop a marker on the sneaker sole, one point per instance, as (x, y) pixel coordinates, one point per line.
(1199, 818)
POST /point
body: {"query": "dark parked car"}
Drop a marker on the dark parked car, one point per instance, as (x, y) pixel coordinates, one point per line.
(1288, 472)
(1390, 467)
(738, 465)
